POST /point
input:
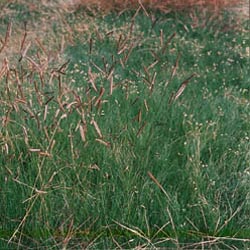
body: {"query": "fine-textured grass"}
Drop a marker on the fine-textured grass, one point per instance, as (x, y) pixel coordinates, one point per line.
(138, 139)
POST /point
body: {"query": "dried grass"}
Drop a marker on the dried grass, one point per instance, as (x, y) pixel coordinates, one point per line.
(163, 5)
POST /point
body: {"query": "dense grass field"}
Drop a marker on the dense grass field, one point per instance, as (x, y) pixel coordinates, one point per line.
(127, 131)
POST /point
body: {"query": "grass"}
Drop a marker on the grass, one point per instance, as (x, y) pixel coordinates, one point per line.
(164, 5)
(134, 134)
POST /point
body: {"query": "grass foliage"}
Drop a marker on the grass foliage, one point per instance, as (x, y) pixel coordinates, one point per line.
(137, 136)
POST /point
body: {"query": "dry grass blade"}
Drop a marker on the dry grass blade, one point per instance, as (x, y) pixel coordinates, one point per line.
(98, 68)
(202, 244)
(45, 154)
(111, 85)
(144, 9)
(69, 234)
(122, 49)
(230, 238)
(19, 85)
(214, 239)
(154, 54)
(161, 38)
(105, 64)
(39, 43)
(147, 78)
(50, 99)
(82, 129)
(45, 112)
(24, 51)
(122, 64)
(126, 57)
(152, 64)
(136, 231)
(4, 68)
(118, 45)
(38, 191)
(33, 63)
(146, 105)
(25, 135)
(173, 227)
(6, 118)
(94, 123)
(113, 239)
(7, 37)
(92, 78)
(136, 13)
(181, 89)
(160, 230)
(24, 36)
(152, 82)
(167, 43)
(21, 224)
(35, 150)
(63, 67)
(141, 129)
(107, 144)
(98, 100)
(230, 218)
(98, 35)
(139, 116)
(111, 72)
(131, 29)
(192, 224)
(158, 185)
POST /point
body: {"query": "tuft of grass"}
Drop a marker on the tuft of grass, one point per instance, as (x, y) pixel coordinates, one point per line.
(137, 136)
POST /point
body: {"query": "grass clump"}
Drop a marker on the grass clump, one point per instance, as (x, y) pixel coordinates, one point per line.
(139, 138)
